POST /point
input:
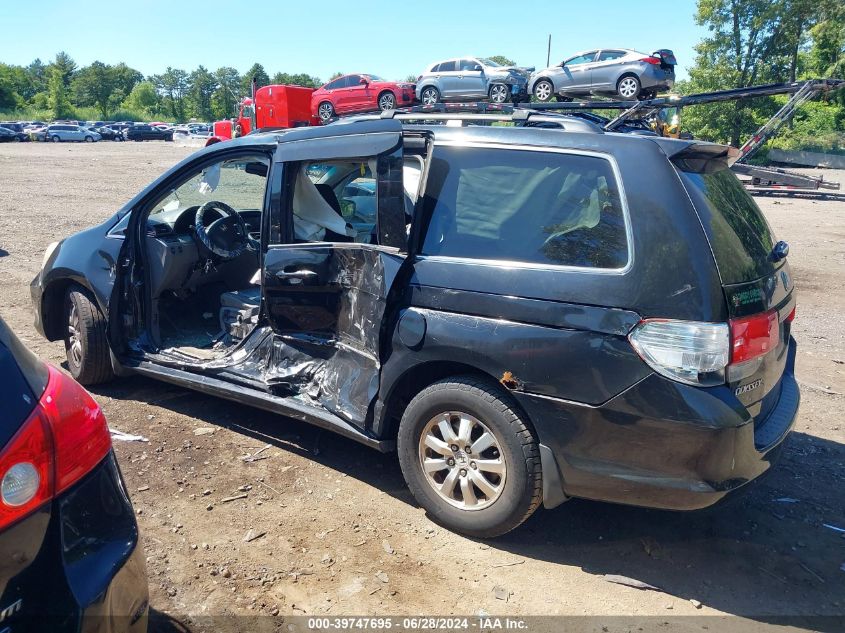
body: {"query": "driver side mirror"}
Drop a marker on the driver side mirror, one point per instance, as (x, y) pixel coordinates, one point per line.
(562, 64)
(478, 67)
(364, 81)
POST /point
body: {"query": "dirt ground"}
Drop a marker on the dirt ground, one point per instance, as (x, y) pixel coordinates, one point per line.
(335, 530)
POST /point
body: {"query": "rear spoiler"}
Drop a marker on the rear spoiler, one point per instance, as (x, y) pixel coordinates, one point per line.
(699, 157)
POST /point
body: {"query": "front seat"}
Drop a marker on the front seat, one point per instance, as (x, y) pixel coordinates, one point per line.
(331, 199)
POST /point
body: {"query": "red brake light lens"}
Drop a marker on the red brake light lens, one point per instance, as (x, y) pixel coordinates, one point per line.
(754, 336)
(63, 439)
(791, 317)
(651, 60)
(80, 433)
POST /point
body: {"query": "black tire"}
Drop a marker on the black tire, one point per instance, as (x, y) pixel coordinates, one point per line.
(547, 90)
(498, 93)
(55, 139)
(89, 139)
(386, 101)
(430, 94)
(325, 111)
(622, 87)
(521, 484)
(90, 364)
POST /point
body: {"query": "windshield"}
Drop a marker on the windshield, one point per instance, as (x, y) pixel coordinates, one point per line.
(489, 62)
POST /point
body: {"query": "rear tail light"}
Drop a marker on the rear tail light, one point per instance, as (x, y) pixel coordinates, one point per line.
(697, 353)
(690, 352)
(651, 60)
(754, 336)
(65, 437)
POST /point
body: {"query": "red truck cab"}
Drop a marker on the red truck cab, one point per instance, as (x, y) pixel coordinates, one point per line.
(276, 106)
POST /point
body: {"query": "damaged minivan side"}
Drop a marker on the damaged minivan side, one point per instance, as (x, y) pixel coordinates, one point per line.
(523, 314)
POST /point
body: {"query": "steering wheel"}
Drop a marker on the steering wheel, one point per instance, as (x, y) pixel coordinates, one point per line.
(228, 236)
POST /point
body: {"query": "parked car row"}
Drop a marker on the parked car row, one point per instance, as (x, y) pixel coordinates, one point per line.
(93, 131)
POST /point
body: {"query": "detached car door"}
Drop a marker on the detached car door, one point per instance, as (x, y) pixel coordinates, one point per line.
(329, 299)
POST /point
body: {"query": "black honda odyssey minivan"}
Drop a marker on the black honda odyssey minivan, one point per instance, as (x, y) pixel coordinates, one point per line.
(525, 314)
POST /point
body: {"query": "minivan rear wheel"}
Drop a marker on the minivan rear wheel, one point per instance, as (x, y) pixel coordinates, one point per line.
(86, 344)
(469, 458)
(55, 139)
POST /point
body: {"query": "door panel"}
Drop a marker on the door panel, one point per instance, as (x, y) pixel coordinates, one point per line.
(606, 68)
(328, 300)
(332, 298)
(470, 83)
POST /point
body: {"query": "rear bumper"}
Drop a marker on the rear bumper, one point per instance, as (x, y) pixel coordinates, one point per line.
(656, 78)
(90, 572)
(659, 444)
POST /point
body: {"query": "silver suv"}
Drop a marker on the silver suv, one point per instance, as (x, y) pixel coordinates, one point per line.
(472, 78)
(612, 71)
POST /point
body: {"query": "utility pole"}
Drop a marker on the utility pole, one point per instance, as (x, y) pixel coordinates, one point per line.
(549, 52)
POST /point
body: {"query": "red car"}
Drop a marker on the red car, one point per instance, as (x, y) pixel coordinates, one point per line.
(359, 93)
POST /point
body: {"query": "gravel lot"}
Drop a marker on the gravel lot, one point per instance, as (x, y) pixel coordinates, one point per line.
(340, 533)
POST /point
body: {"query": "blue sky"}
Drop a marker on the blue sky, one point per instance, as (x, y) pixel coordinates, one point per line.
(389, 38)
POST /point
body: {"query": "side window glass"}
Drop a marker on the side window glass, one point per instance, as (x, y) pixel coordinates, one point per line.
(582, 59)
(606, 56)
(447, 67)
(352, 81)
(468, 64)
(348, 200)
(567, 208)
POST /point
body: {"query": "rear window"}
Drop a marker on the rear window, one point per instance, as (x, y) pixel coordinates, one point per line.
(736, 229)
(525, 206)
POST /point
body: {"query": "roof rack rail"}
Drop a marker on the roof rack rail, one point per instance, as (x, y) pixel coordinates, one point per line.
(483, 111)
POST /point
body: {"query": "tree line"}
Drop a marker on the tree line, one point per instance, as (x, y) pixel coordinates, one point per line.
(63, 90)
(752, 42)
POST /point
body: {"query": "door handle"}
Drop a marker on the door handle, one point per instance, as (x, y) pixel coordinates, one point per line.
(296, 276)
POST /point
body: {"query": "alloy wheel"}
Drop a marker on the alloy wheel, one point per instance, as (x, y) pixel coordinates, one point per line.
(429, 96)
(74, 339)
(462, 460)
(628, 87)
(543, 90)
(387, 101)
(325, 111)
(498, 93)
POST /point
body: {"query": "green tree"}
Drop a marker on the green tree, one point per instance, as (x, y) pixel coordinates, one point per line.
(202, 85)
(502, 60)
(95, 85)
(57, 101)
(66, 66)
(261, 78)
(335, 76)
(227, 94)
(299, 79)
(143, 100)
(172, 86)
